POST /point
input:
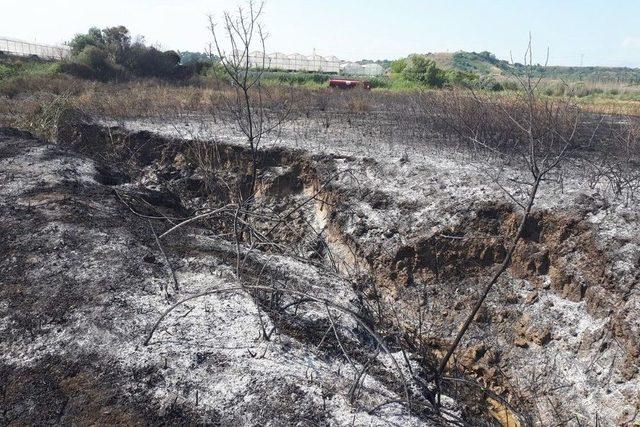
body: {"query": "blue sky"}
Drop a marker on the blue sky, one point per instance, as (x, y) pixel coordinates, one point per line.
(587, 31)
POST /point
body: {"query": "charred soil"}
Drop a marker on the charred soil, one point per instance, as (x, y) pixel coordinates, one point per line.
(557, 341)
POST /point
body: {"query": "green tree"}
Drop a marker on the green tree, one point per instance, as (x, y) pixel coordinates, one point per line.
(398, 65)
(187, 57)
(92, 38)
(109, 54)
(117, 43)
(150, 62)
(459, 78)
(421, 69)
(488, 56)
(94, 62)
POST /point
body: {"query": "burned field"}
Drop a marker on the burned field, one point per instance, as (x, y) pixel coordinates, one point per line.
(161, 271)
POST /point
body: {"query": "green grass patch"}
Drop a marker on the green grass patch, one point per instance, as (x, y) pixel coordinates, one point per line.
(11, 67)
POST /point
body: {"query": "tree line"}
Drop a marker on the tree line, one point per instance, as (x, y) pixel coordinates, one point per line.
(112, 54)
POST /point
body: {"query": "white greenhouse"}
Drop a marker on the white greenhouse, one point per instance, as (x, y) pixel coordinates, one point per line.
(22, 48)
(355, 69)
(293, 62)
(278, 61)
(258, 60)
(332, 64)
(372, 70)
(298, 62)
(351, 68)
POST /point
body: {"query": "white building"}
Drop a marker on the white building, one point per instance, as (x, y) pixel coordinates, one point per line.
(351, 68)
(22, 48)
(257, 60)
(355, 69)
(278, 61)
(293, 62)
(332, 64)
(298, 62)
(372, 70)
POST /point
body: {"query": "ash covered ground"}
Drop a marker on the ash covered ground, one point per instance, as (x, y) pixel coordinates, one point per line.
(392, 234)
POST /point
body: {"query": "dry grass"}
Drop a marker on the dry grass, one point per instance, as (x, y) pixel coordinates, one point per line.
(617, 107)
(154, 98)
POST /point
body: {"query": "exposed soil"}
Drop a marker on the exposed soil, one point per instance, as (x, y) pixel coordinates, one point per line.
(405, 245)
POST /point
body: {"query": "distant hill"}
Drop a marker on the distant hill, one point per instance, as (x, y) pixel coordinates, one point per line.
(486, 63)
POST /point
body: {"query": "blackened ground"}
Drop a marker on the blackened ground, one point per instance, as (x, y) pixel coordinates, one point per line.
(81, 284)
(39, 294)
(557, 336)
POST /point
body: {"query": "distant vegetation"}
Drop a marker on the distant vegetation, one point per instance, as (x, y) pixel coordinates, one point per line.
(485, 63)
(11, 67)
(422, 71)
(584, 83)
(308, 79)
(384, 63)
(110, 54)
(187, 57)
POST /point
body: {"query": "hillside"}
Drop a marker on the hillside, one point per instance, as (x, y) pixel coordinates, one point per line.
(486, 63)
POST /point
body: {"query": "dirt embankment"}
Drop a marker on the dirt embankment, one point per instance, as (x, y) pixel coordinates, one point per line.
(558, 338)
(84, 280)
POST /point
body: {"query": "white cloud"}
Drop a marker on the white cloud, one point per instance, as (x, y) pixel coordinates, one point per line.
(631, 43)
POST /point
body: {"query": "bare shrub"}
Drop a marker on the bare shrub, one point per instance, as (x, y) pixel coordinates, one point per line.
(249, 106)
(613, 162)
(533, 134)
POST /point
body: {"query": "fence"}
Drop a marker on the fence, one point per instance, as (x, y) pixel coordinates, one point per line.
(22, 48)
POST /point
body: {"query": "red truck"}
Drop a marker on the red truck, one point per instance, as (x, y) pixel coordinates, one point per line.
(349, 84)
